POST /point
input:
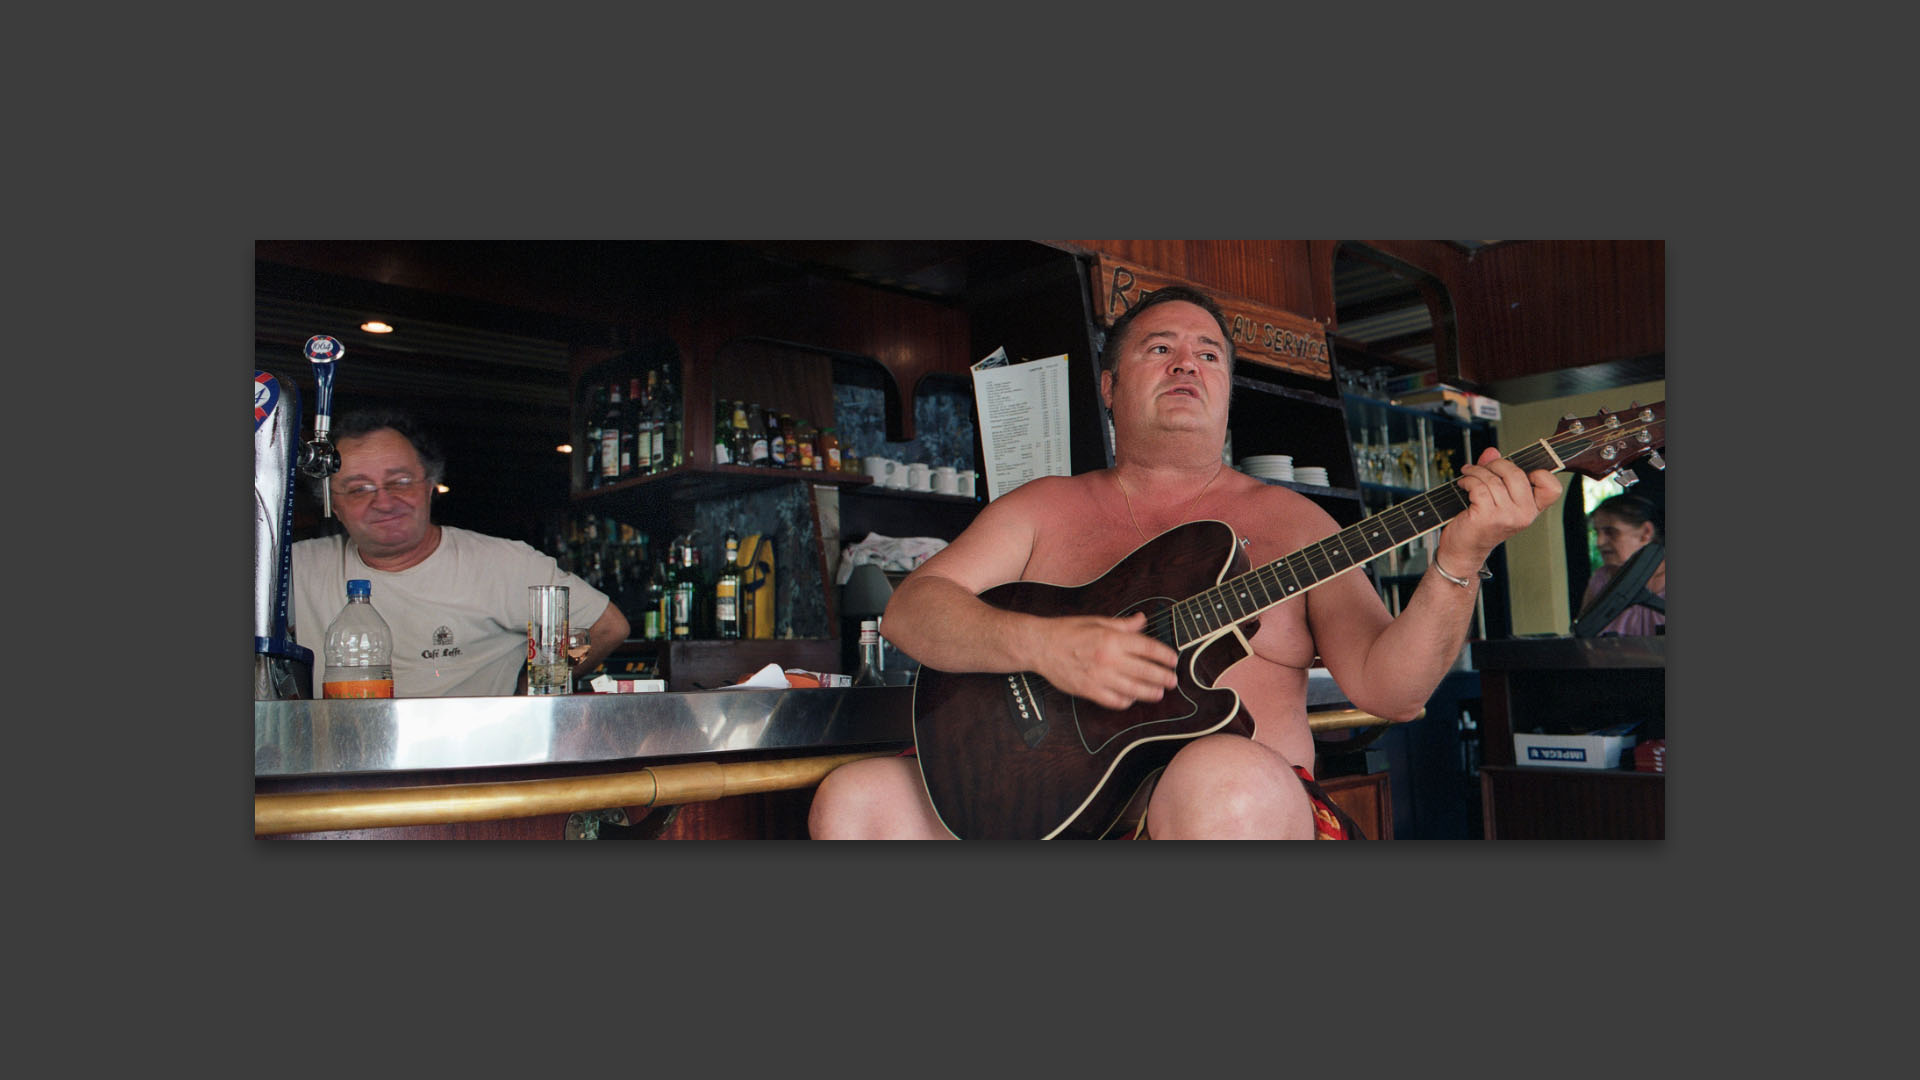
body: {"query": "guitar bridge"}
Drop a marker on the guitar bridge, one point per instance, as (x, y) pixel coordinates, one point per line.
(1023, 708)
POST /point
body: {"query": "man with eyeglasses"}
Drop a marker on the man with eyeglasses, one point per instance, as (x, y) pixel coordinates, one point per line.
(455, 599)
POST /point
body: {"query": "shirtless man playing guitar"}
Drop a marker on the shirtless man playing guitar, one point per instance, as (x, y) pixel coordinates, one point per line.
(1166, 374)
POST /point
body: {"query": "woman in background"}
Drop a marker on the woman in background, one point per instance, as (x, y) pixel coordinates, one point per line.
(1622, 526)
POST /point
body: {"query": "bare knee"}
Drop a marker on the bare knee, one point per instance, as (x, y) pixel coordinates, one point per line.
(1226, 787)
(875, 799)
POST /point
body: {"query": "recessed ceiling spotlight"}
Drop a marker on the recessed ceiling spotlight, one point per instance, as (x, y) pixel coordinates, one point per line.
(376, 327)
(565, 448)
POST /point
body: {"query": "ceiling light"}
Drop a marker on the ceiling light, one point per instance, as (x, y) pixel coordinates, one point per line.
(565, 448)
(442, 488)
(376, 327)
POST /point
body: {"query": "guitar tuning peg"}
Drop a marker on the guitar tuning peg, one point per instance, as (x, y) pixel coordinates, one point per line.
(1625, 477)
(1654, 459)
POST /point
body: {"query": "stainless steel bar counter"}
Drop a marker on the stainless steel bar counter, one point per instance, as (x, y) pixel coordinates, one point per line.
(330, 738)
(345, 765)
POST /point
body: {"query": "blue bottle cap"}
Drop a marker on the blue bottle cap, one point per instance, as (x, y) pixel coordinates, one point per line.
(360, 587)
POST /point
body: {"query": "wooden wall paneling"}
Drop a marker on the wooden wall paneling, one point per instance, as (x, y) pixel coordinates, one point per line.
(1544, 306)
(1277, 273)
(908, 337)
(1367, 798)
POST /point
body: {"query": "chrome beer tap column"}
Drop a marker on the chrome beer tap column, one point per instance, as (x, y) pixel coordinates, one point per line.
(318, 458)
(281, 669)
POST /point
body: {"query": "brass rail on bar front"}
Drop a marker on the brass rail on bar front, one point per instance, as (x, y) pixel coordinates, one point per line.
(660, 785)
(1339, 719)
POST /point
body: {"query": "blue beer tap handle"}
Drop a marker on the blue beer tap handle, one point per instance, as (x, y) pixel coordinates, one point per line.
(318, 458)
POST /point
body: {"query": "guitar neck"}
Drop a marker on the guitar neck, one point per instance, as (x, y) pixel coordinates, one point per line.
(1241, 598)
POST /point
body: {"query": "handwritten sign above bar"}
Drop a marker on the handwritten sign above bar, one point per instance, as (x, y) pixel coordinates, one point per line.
(1264, 335)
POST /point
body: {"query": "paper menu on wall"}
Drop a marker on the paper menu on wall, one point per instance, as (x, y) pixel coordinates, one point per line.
(1022, 409)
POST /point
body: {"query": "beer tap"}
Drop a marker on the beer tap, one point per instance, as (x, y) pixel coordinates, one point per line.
(318, 458)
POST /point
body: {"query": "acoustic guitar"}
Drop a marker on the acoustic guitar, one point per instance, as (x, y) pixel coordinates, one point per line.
(1008, 756)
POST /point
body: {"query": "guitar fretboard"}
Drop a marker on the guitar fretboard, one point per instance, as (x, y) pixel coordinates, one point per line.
(1241, 598)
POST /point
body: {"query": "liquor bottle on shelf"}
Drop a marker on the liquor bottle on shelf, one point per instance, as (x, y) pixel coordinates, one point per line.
(803, 439)
(742, 435)
(669, 597)
(723, 432)
(611, 424)
(758, 449)
(776, 442)
(827, 450)
(686, 590)
(726, 590)
(593, 408)
(790, 456)
(638, 437)
(659, 619)
(672, 424)
(655, 426)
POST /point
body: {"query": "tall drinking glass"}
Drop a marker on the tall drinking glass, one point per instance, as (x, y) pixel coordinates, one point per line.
(549, 671)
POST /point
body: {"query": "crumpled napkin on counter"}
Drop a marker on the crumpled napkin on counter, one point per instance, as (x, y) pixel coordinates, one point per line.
(897, 554)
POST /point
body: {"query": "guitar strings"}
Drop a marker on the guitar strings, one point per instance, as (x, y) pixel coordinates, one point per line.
(1445, 501)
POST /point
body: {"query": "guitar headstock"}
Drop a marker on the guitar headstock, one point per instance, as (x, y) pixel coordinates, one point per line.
(1608, 442)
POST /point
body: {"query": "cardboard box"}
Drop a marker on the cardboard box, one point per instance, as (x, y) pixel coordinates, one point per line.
(1593, 751)
(1453, 401)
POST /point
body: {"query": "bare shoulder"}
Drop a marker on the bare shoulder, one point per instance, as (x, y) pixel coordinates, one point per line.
(1270, 516)
(1001, 541)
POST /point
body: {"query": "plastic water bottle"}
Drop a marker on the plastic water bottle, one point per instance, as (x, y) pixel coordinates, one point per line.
(869, 673)
(359, 649)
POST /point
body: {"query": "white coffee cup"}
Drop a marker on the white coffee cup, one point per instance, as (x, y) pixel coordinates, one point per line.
(965, 483)
(920, 476)
(946, 480)
(880, 468)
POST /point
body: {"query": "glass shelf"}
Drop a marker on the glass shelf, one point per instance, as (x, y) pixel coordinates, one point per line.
(1411, 413)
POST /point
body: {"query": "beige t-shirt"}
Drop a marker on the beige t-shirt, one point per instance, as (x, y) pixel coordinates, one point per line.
(459, 618)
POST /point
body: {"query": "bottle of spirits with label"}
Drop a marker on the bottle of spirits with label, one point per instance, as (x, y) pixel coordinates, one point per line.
(659, 614)
(593, 408)
(686, 590)
(612, 422)
(726, 590)
(656, 425)
(742, 435)
(759, 451)
(640, 435)
(723, 432)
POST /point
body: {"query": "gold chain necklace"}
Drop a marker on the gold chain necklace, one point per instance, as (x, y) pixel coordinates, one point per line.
(1183, 507)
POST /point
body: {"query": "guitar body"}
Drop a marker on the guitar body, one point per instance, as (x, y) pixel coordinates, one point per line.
(1010, 757)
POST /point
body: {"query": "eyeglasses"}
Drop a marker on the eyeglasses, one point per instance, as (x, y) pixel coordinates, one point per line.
(364, 490)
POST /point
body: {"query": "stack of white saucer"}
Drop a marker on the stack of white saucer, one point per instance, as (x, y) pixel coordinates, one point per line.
(1311, 474)
(1268, 466)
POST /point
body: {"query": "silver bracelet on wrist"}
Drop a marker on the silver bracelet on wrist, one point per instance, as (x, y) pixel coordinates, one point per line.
(1485, 574)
